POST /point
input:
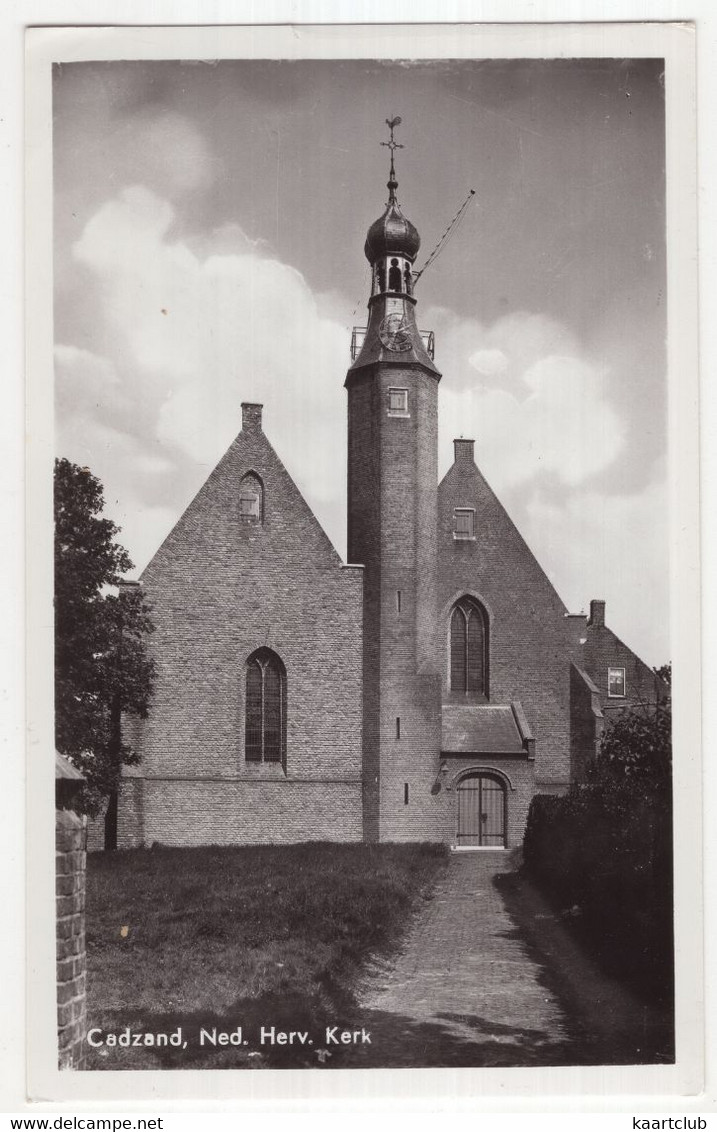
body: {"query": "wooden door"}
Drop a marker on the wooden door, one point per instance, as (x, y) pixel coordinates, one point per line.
(481, 812)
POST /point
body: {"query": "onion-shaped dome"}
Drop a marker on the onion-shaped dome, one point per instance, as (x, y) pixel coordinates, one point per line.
(391, 234)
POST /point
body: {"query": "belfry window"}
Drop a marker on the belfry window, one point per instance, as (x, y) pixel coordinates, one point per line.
(469, 649)
(394, 276)
(251, 499)
(265, 729)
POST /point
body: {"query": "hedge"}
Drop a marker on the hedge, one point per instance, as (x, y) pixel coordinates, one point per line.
(603, 853)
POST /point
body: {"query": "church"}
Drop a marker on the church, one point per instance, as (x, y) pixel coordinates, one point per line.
(425, 690)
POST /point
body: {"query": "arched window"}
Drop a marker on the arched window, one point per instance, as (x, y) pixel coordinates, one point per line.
(251, 499)
(469, 649)
(265, 735)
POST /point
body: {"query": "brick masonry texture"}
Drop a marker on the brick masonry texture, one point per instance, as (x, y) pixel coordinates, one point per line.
(219, 588)
(392, 531)
(587, 719)
(604, 650)
(529, 634)
(70, 861)
(465, 972)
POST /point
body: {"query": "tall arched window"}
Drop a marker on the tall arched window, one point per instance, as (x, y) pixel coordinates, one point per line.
(469, 649)
(265, 736)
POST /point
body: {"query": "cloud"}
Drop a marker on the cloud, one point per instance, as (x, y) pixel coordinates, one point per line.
(600, 546)
(489, 362)
(174, 151)
(555, 420)
(549, 436)
(201, 329)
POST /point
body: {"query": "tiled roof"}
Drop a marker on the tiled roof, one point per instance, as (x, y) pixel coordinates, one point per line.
(480, 729)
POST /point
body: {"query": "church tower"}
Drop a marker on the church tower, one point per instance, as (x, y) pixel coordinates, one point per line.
(392, 530)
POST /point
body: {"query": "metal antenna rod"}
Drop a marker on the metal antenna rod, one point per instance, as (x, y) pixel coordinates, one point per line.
(444, 238)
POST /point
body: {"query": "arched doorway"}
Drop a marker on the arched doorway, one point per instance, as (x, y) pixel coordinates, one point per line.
(481, 812)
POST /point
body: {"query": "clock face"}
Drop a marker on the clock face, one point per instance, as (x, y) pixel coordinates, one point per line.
(394, 333)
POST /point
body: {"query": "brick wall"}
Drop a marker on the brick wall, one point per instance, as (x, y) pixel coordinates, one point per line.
(219, 588)
(603, 650)
(239, 812)
(529, 633)
(392, 530)
(587, 722)
(364, 545)
(70, 862)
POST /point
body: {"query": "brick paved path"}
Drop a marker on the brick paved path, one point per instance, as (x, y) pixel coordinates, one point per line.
(465, 989)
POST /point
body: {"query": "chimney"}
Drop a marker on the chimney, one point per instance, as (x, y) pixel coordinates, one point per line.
(597, 613)
(251, 416)
(127, 586)
(463, 450)
(577, 623)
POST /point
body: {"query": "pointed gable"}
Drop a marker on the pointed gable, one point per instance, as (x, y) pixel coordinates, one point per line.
(248, 574)
(493, 556)
(482, 555)
(218, 528)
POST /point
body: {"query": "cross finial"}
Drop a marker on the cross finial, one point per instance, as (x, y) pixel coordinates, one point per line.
(392, 145)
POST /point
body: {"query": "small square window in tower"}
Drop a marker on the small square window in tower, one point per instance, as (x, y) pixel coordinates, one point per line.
(398, 402)
(464, 523)
(616, 682)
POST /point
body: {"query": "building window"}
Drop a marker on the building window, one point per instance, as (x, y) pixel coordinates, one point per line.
(469, 649)
(398, 402)
(464, 523)
(616, 682)
(251, 499)
(265, 735)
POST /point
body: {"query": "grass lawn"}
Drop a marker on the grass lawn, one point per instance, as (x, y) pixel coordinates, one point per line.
(222, 939)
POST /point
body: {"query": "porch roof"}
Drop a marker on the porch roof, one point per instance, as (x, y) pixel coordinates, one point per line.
(481, 729)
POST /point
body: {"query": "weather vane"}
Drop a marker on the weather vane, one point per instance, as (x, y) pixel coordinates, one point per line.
(392, 144)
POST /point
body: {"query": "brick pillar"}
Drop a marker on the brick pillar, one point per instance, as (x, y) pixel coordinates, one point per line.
(70, 862)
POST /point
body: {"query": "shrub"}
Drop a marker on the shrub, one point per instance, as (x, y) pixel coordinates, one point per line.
(604, 851)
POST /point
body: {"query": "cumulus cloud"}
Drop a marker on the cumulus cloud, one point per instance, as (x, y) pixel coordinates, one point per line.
(548, 413)
(201, 329)
(489, 362)
(595, 545)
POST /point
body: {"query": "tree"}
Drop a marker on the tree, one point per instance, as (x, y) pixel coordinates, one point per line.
(102, 669)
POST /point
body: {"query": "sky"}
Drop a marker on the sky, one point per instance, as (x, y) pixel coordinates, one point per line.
(209, 229)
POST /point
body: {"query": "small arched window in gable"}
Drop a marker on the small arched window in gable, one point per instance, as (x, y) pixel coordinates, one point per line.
(265, 726)
(251, 499)
(469, 649)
